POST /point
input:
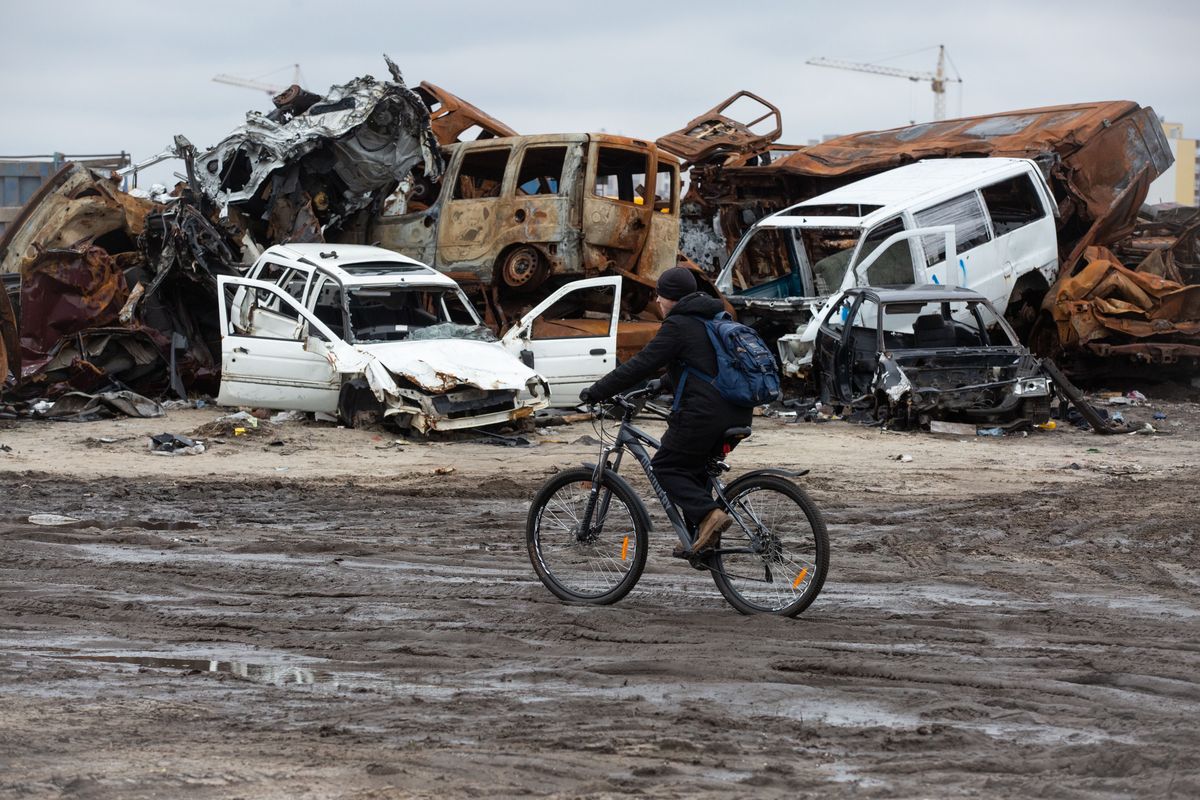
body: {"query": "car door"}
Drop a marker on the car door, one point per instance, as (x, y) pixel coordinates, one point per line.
(275, 356)
(978, 268)
(1026, 236)
(473, 207)
(570, 338)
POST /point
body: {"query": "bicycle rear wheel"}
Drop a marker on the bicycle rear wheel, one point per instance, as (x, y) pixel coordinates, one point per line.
(774, 558)
(599, 566)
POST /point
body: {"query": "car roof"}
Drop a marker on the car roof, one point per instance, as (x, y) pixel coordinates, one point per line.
(904, 187)
(348, 264)
(921, 292)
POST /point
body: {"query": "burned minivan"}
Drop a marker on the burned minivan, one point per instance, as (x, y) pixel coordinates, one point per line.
(914, 354)
(520, 213)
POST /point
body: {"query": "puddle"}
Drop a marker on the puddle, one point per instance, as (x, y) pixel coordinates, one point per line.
(275, 674)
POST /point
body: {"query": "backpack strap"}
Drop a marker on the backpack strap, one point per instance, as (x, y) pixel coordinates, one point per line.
(679, 388)
(712, 337)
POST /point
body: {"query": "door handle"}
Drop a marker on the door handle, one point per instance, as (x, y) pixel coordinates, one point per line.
(597, 351)
(241, 350)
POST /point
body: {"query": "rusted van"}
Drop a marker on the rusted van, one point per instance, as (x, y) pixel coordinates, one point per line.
(520, 212)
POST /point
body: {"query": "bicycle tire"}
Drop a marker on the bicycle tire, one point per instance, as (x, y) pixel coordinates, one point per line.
(788, 574)
(597, 572)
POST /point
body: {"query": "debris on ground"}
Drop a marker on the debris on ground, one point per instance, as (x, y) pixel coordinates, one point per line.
(171, 444)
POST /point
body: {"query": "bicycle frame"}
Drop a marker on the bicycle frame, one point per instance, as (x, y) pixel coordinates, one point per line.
(634, 440)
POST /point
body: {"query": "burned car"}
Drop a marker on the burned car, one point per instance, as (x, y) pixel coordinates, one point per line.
(913, 354)
(369, 335)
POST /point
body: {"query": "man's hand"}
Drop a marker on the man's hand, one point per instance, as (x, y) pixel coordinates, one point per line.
(588, 397)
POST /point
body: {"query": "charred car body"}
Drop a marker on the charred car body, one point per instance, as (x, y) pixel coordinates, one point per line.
(360, 331)
(520, 213)
(914, 354)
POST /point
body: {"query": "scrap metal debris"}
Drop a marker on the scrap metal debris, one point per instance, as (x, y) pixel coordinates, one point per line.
(304, 170)
(1135, 315)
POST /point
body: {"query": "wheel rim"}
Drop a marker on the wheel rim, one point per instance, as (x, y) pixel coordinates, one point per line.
(784, 567)
(591, 568)
(523, 269)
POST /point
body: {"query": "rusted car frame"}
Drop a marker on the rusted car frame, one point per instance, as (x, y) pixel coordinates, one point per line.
(520, 212)
(715, 137)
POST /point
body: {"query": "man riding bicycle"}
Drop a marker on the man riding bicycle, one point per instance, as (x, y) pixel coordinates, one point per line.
(696, 427)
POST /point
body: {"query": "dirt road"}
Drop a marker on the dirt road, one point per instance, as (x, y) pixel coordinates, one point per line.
(339, 615)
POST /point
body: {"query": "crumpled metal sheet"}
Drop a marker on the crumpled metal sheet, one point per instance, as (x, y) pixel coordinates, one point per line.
(360, 138)
(71, 210)
(451, 116)
(715, 136)
(84, 407)
(1109, 309)
(64, 292)
(10, 347)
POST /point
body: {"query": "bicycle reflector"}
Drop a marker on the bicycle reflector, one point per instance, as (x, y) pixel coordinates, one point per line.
(726, 449)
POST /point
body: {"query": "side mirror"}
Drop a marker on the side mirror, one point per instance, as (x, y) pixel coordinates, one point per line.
(527, 358)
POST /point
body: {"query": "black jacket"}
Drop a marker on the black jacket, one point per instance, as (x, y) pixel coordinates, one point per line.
(681, 340)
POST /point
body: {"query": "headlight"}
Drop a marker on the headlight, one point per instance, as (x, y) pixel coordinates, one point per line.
(1031, 387)
(536, 385)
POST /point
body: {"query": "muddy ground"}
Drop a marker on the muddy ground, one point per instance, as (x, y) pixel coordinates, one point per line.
(341, 615)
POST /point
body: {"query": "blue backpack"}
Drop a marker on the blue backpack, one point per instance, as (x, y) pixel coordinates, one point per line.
(746, 372)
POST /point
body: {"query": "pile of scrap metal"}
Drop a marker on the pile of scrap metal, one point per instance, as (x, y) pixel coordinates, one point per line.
(118, 291)
(1116, 319)
(115, 292)
(1098, 158)
(304, 170)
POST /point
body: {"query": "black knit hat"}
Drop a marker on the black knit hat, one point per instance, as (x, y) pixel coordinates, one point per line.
(675, 283)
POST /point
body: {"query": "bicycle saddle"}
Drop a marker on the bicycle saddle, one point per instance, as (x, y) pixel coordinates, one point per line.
(732, 437)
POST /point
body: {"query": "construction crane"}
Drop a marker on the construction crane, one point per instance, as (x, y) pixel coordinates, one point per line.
(937, 79)
(254, 83)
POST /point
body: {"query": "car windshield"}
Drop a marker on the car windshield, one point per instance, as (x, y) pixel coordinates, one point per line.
(938, 324)
(393, 313)
(794, 261)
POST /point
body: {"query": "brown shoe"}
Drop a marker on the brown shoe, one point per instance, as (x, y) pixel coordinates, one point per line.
(711, 527)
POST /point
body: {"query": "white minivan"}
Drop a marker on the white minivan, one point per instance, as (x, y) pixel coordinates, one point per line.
(996, 215)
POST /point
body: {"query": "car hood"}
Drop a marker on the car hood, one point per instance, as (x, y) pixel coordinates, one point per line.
(438, 365)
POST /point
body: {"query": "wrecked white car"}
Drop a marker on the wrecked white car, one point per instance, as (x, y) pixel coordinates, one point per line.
(366, 334)
(914, 354)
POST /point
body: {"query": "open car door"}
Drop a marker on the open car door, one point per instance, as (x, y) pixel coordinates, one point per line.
(273, 352)
(570, 338)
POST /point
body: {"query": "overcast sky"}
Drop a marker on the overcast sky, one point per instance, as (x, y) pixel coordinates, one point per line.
(105, 77)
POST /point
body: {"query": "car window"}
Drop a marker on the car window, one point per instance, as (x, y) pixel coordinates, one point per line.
(894, 267)
(1013, 203)
(835, 321)
(578, 314)
(621, 175)
(395, 313)
(541, 170)
(264, 313)
(970, 228)
(481, 174)
(664, 187)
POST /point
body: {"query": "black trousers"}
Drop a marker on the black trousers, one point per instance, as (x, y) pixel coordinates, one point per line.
(679, 465)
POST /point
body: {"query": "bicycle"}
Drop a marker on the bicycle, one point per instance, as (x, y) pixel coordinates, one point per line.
(588, 531)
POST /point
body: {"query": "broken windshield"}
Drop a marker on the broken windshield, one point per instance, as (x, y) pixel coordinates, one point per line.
(393, 313)
(793, 262)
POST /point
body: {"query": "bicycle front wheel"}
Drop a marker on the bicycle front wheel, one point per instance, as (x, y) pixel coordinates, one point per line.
(599, 564)
(774, 557)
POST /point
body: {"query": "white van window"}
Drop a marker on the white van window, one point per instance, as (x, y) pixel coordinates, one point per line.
(970, 228)
(1013, 203)
(895, 266)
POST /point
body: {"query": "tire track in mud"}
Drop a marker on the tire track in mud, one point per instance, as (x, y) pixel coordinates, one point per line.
(1036, 644)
